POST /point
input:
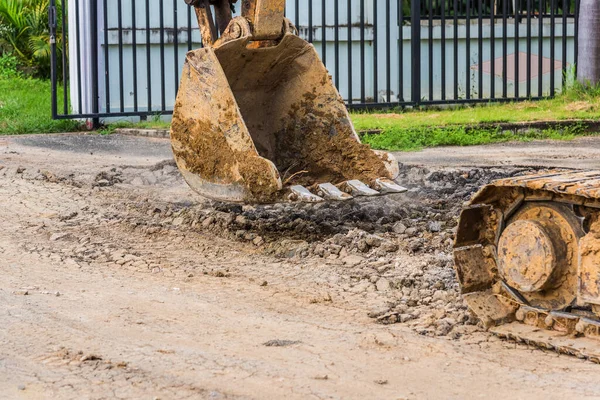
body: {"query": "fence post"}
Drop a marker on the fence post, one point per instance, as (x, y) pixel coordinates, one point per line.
(94, 59)
(53, 78)
(415, 44)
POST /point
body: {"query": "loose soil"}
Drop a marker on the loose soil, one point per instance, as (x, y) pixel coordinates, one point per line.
(119, 282)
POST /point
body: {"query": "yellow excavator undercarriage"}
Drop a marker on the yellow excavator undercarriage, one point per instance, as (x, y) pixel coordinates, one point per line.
(527, 255)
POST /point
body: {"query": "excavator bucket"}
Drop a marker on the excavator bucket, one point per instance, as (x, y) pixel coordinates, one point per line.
(262, 122)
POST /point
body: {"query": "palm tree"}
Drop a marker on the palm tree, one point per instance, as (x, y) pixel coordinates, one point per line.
(24, 33)
(588, 64)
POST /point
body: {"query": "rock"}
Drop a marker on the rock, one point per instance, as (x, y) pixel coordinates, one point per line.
(137, 181)
(178, 221)
(319, 250)
(405, 318)
(399, 228)
(258, 241)
(362, 246)
(58, 236)
(411, 231)
(378, 312)
(334, 249)
(149, 177)
(444, 326)
(208, 222)
(383, 285)
(434, 226)
(103, 183)
(389, 247)
(439, 295)
(373, 241)
(352, 260)
(49, 176)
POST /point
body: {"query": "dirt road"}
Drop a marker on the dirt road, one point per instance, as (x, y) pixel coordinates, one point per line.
(119, 282)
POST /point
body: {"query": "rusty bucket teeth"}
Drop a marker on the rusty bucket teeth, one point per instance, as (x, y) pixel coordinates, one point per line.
(330, 192)
(358, 188)
(302, 194)
(386, 186)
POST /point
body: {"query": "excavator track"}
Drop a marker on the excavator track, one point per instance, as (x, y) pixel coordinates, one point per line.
(527, 256)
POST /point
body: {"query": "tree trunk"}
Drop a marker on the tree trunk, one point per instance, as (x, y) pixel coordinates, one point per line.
(588, 64)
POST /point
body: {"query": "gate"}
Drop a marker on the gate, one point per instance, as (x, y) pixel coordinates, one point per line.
(121, 58)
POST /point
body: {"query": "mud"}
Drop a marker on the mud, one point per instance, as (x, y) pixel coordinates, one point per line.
(319, 144)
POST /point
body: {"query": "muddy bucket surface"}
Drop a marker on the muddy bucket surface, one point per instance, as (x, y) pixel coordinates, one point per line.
(250, 121)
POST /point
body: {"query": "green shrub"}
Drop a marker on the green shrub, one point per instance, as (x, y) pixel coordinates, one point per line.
(9, 67)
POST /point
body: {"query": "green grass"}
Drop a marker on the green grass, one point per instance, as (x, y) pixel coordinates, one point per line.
(411, 139)
(25, 107)
(414, 130)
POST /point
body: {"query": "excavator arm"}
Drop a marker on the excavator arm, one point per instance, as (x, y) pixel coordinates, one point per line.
(266, 18)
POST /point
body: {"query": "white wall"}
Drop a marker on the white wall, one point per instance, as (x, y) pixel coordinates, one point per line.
(179, 19)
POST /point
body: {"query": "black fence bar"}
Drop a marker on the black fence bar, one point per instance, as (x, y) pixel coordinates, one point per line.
(400, 53)
(94, 60)
(310, 21)
(504, 49)
(134, 56)
(349, 44)
(189, 28)
(443, 50)
(455, 55)
(528, 47)
(323, 31)
(107, 79)
(564, 45)
(161, 11)
(79, 60)
(517, 54)
(148, 58)
(468, 51)
(540, 52)
(576, 55)
(373, 50)
(415, 24)
(480, 50)
(388, 50)
(120, 34)
(336, 41)
(53, 69)
(430, 48)
(175, 42)
(362, 53)
(64, 59)
(375, 54)
(492, 52)
(552, 48)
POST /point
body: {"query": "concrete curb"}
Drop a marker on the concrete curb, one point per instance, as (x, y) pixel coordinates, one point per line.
(515, 127)
(153, 133)
(590, 126)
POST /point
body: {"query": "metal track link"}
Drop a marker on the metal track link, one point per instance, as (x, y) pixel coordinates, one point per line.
(580, 347)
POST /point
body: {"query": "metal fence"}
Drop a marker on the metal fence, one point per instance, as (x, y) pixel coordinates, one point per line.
(121, 58)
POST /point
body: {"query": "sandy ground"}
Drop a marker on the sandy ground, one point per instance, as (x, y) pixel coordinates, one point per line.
(97, 303)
